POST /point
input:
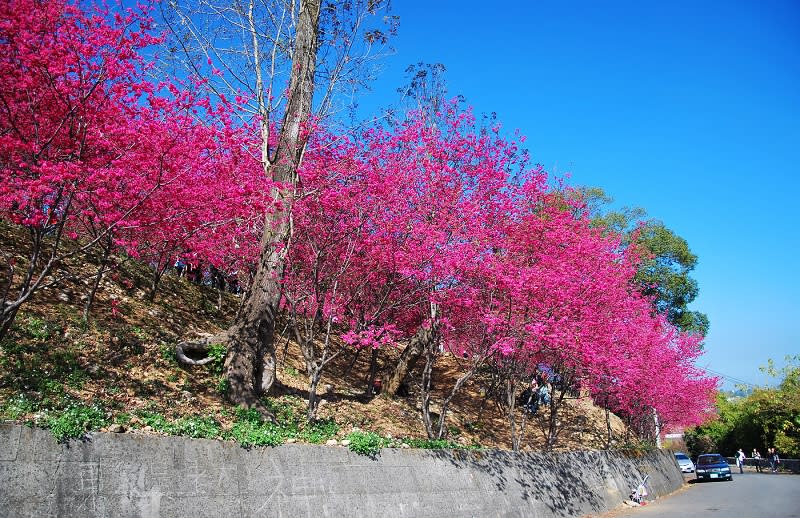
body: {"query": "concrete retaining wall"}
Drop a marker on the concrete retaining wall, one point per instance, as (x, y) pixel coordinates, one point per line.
(120, 475)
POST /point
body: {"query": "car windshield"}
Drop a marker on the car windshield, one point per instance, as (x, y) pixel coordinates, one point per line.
(710, 459)
(681, 456)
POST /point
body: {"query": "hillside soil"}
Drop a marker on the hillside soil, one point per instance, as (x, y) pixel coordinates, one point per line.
(123, 360)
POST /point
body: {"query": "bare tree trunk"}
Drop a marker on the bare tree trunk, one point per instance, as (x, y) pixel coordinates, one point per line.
(440, 433)
(511, 400)
(430, 356)
(373, 373)
(313, 400)
(408, 358)
(250, 364)
(98, 277)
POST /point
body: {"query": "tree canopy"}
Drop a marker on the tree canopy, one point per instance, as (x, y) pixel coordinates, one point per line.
(767, 417)
(361, 240)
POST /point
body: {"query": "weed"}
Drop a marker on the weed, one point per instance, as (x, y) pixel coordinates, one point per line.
(155, 421)
(139, 333)
(168, 353)
(438, 444)
(76, 379)
(37, 328)
(75, 421)
(251, 430)
(319, 431)
(366, 443)
(218, 352)
(198, 427)
(172, 378)
(291, 371)
(223, 385)
(19, 406)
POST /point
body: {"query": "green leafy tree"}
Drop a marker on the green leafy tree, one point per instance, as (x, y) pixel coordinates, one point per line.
(767, 417)
(776, 411)
(664, 273)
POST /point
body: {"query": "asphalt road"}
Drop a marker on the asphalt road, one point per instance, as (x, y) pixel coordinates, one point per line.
(749, 495)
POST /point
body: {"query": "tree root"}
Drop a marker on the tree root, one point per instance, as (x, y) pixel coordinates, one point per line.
(199, 346)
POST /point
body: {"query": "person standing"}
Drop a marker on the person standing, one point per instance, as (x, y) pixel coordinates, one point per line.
(775, 460)
(530, 397)
(740, 460)
(757, 459)
(771, 459)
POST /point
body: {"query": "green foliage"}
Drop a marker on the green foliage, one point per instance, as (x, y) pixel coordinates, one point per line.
(665, 275)
(75, 421)
(41, 369)
(664, 271)
(223, 385)
(123, 418)
(218, 352)
(319, 431)
(250, 429)
(196, 426)
(767, 417)
(366, 443)
(437, 444)
(19, 406)
(37, 328)
(168, 353)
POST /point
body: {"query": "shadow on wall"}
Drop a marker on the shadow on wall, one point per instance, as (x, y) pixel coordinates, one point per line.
(571, 483)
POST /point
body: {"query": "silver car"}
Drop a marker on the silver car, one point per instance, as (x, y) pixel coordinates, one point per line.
(684, 462)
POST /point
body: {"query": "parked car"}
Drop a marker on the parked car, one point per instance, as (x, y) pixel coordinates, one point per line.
(684, 462)
(713, 466)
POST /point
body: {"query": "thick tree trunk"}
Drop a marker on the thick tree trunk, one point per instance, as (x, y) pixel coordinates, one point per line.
(408, 359)
(250, 364)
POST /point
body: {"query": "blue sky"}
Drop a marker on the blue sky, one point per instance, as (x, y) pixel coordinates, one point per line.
(690, 110)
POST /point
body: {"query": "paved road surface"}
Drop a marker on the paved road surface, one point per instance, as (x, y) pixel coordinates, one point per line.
(749, 495)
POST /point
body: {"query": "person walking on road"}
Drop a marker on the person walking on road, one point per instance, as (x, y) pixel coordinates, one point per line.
(774, 460)
(757, 459)
(740, 460)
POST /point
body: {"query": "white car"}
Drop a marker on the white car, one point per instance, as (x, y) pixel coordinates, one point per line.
(684, 462)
